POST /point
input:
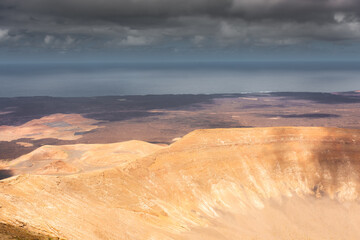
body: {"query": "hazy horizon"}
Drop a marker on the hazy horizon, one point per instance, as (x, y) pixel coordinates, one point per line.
(100, 79)
(94, 48)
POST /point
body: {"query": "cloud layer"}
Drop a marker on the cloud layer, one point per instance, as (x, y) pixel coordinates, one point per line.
(113, 24)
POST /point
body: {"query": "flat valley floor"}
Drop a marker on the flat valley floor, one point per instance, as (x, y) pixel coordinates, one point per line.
(27, 123)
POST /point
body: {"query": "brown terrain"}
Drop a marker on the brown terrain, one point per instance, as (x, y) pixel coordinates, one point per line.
(31, 122)
(121, 167)
(251, 183)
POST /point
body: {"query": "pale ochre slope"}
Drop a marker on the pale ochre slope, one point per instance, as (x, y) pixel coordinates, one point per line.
(263, 183)
(70, 159)
(57, 126)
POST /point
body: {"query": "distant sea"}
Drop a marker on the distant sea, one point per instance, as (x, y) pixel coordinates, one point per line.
(100, 79)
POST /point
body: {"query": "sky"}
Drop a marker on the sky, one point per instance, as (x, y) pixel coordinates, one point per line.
(173, 30)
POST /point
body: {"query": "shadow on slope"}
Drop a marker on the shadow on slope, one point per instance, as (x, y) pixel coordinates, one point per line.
(12, 232)
(5, 174)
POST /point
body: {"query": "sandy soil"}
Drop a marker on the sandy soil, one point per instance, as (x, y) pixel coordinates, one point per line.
(58, 126)
(257, 183)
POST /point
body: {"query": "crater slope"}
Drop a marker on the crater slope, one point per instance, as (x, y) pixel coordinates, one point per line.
(77, 158)
(260, 183)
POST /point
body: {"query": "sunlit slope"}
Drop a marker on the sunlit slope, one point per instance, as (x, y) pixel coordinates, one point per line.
(70, 159)
(265, 183)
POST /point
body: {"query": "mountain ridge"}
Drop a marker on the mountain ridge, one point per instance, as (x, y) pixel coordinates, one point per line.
(217, 184)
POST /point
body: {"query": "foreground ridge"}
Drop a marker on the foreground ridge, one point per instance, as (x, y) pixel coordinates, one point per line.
(255, 183)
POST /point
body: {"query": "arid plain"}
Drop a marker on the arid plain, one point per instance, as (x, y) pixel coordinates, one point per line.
(226, 166)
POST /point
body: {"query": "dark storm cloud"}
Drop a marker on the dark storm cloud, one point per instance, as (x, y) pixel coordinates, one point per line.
(68, 24)
(305, 10)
